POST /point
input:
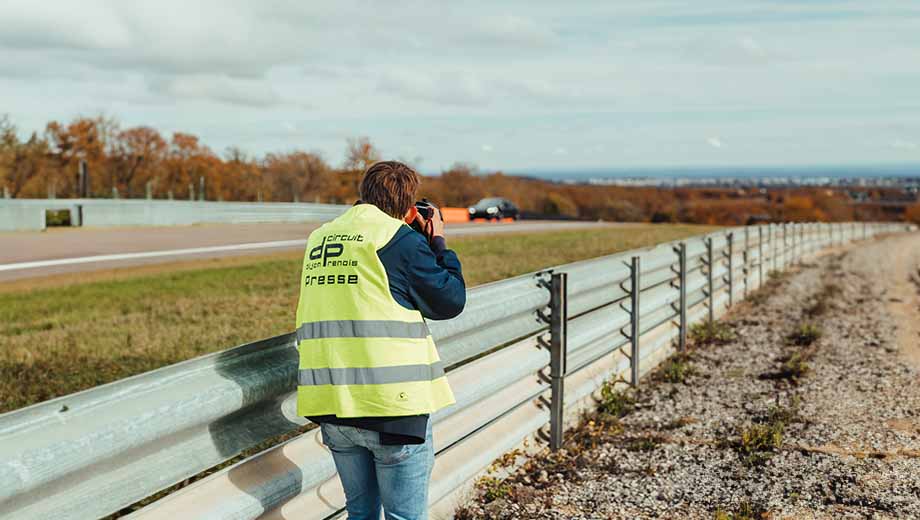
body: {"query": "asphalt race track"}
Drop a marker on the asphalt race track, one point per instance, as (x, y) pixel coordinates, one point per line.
(56, 251)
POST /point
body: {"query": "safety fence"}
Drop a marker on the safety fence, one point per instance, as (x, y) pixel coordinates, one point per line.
(30, 214)
(525, 354)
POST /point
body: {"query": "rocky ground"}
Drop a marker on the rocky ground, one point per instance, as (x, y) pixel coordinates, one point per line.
(803, 403)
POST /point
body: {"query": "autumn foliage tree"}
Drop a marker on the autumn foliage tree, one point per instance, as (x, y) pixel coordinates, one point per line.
(913, 214)
(21, 162)
(297, 176)
(359, 155)
(125, 161)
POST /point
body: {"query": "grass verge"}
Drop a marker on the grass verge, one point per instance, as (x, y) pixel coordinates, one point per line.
(59, 340)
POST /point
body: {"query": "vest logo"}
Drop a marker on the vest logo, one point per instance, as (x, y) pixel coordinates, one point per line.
(326, 251)
(402, 396)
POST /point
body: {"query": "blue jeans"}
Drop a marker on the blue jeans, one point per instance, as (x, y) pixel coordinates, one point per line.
(375, 475)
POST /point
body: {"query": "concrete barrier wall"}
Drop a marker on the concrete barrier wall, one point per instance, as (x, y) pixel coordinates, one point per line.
(16, 217)
(29, 214)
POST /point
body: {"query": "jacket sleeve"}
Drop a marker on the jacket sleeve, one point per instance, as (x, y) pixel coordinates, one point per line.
(436, 283)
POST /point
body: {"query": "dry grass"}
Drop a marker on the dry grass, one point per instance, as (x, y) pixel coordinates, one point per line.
(55, 340)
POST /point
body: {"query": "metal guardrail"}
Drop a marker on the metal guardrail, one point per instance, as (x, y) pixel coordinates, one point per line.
(523, 347)
(29, 214)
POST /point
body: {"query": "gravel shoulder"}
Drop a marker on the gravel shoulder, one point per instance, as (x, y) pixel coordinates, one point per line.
(810, 409)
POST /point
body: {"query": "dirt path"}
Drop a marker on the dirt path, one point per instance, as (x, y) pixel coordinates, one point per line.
(808, 412)
(901, 276)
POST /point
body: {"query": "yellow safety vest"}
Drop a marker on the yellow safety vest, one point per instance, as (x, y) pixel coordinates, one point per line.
(362, 354)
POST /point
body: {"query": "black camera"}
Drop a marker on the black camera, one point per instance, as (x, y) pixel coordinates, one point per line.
(426, 211)
(425, 208)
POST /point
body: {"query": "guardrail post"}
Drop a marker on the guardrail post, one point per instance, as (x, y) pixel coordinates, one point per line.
(710, 284)
(773, 245)
(806, 244)
(744, 259)
(557, 354)
(682, 276)
(731, 275)
(786, 250)
(635, 269)
(759, 256)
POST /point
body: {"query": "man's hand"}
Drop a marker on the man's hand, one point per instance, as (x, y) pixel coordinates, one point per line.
(437, 224)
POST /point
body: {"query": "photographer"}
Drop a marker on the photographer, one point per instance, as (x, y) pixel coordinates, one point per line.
(369, 371)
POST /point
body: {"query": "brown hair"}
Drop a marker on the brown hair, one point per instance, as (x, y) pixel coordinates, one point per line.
(391, 186)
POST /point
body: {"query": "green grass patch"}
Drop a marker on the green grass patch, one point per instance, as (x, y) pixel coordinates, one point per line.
(677, 368)
(59, 340)
(794, 367)
(493, 489)
(805, 334)
(758, 442)
(711, 333)
(614, 402)
(744, 511)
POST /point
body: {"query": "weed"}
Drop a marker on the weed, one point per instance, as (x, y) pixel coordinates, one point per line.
(794, 367)
(677, 369)
(758, 442)
(493, 488)
(614, 402)
(784, 414)
(745, 511)
(805, 334)
(711, 333)
(507, 460)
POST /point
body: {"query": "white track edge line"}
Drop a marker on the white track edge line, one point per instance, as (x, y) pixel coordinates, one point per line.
(150, 254)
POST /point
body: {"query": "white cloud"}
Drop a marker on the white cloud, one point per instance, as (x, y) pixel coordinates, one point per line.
(222, 89)
(516, 30)
(447, 77)
(486, 148)
(904, 145)
(451, 87)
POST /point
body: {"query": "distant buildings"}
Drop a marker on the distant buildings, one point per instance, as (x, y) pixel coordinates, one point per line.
(909, 184)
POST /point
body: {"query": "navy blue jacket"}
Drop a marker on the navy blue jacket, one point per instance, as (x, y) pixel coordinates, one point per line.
(424, 278)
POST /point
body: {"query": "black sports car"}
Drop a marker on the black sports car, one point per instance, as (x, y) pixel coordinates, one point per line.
(494, 208)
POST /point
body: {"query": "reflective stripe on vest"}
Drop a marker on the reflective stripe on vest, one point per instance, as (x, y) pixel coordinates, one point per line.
(370, 376)
(362, 329)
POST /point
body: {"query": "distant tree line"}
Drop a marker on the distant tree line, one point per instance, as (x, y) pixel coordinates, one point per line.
(138, 161)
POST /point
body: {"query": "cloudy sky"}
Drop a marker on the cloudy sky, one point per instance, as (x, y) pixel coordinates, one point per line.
(511, 85)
